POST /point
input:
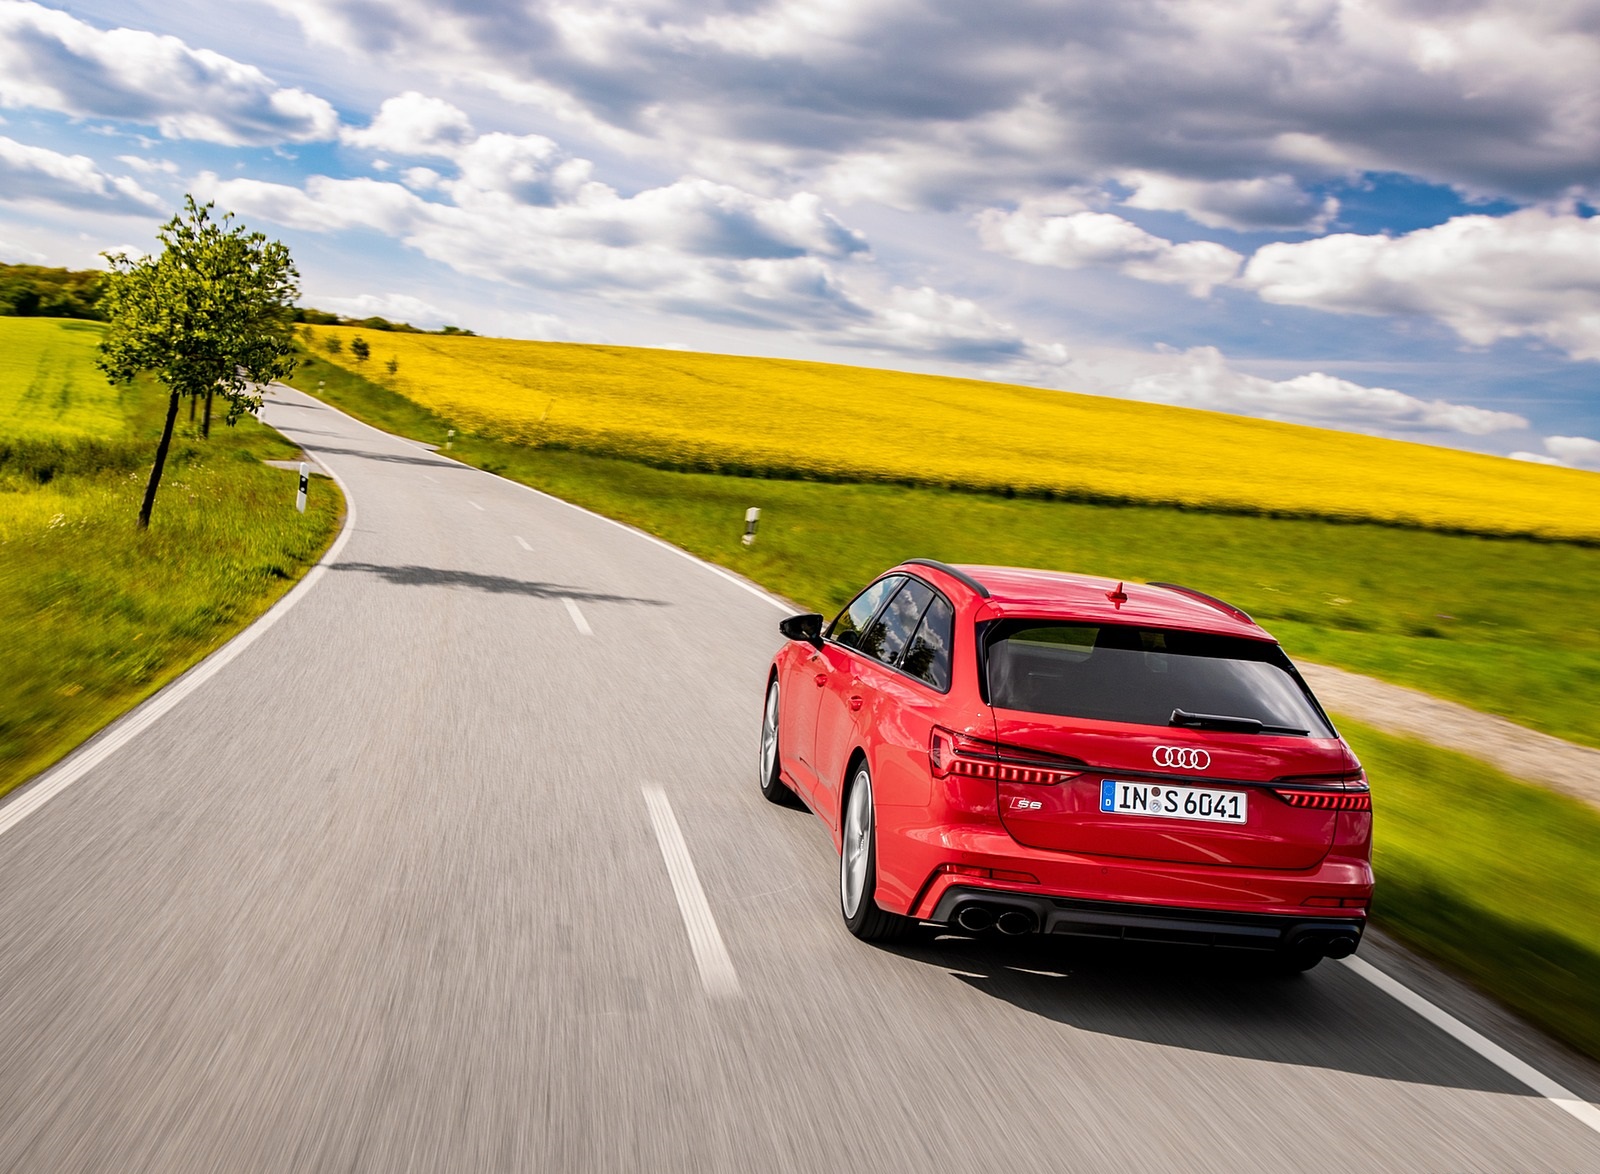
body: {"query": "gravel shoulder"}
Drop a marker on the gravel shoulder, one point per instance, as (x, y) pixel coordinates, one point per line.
(1522, 753)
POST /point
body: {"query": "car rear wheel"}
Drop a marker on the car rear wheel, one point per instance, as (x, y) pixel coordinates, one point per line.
(858, 866)
(772, 784)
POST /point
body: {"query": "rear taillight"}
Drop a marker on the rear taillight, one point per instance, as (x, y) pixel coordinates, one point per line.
(950, 753)
(973, 870)
(1340, 793)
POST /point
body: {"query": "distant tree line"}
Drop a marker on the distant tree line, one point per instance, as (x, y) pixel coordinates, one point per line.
(313, 317)
(33, 291)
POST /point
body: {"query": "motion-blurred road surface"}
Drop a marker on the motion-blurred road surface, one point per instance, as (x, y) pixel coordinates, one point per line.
(386, 894)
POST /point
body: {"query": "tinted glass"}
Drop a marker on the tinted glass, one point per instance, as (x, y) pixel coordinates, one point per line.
(887, 637)
(928, 655)
(1140, 675)
(847, 625)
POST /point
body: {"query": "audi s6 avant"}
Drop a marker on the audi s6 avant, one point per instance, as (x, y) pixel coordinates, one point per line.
(1029, 751)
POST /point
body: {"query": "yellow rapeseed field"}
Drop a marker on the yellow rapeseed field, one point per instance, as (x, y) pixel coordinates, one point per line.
(776, 416)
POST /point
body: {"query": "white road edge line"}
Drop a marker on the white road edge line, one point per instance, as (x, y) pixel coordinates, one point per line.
(716, 968)
(128, 727)
(1563, 1098)
(474, 504)
(522, 542)
(577, 617)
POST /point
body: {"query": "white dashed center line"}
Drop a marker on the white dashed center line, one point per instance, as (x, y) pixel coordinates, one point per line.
(474, 504)
(577, 617)
(716, 968)
(522, 542)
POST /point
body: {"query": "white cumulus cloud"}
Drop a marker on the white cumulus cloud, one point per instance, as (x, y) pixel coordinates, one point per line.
(1530, 274)
(38, 173)
(973, 105)
(1578, 451)
(414, 124)
(52, 61)
(1201, 377)
(1079, 239)
(1248, 205)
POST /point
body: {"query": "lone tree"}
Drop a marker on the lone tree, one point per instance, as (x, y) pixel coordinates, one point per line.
(211, 313)
(360, 349)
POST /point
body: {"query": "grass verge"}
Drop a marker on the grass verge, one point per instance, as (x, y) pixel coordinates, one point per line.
(96, 615)
(1492, 876)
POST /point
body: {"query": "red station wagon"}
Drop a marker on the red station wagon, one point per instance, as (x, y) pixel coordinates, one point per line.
(1028, 751)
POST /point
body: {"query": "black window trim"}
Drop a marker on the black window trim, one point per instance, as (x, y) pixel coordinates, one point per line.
(937, 594)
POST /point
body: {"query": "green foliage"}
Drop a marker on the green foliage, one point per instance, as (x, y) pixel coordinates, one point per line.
(335, 345)
(392, 366)
(314, 317)
(33, 291)
(211, 312)
(360, 349)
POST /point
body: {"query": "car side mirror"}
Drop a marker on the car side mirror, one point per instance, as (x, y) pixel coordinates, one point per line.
(807, 628)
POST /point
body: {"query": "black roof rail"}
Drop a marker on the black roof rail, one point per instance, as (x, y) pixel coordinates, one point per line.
(1211, 600)
(953, 572)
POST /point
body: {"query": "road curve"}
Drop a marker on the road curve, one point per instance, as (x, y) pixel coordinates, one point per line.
(461, 865)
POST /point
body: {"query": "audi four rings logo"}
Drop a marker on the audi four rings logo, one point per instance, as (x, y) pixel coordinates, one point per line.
(1181, 757)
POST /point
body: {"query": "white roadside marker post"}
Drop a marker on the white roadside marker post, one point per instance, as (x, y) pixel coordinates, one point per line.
(752, 518)
(300, 498)
(449, 437)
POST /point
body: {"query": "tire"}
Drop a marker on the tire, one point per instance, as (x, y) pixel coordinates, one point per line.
(769, 764)
(858, 866)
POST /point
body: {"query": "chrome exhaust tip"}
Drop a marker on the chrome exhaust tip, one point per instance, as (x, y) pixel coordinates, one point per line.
(974, 918)
(1015, 922)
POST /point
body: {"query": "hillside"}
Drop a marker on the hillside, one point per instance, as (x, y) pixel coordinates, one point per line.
(785, 418)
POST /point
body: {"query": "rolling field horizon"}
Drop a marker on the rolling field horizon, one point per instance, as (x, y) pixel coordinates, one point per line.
(815, 421)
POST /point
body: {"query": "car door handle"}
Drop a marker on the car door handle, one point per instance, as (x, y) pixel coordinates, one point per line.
(822, 679)
(855, 703)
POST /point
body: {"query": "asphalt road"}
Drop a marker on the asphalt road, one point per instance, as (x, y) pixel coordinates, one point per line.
(388, 892)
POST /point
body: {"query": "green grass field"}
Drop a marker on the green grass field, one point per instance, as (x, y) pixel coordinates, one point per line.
(94, 615)
(49, 386)
(1499, 882)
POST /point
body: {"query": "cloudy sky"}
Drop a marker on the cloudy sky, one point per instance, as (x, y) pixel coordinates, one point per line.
(1369, 214)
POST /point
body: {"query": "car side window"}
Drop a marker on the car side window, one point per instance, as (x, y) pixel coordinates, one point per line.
(928, 656)
(847, 625)
(889, 633)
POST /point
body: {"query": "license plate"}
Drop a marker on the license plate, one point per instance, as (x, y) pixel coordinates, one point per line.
(1161, 799)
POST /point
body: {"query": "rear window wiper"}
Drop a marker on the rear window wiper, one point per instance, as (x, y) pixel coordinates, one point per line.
(1237, 725)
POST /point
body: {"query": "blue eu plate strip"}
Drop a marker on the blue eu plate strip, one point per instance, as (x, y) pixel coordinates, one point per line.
(1108, 794)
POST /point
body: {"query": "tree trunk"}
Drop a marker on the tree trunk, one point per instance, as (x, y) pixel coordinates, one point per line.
(205, 428)
(161, 461)
(191, 409)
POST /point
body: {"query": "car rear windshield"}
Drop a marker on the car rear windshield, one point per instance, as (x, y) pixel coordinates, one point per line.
(1112, 672)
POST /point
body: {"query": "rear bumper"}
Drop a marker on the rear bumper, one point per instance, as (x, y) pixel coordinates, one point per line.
(1163, 925)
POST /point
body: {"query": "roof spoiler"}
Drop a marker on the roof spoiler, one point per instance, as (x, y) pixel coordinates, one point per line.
(953, 572)
(1209, 600)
